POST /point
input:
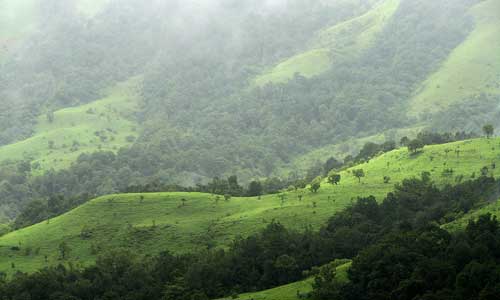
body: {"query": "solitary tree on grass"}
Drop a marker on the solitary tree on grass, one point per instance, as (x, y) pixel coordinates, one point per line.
(358, 173)
(488, 130)
(415, 145)
(315, 184)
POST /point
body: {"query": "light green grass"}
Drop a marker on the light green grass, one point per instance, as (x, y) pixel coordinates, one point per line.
(357, 34)
(461, 223)
(285, 292)
(307, 64)
(110, 116)
(302, 163)
(471, 69)
(122, 221)
(290, 291)
(337, 43)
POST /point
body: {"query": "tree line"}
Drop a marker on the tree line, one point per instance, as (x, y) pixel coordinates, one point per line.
(101, 173)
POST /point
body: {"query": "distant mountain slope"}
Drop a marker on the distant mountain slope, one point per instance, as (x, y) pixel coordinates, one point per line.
(60, 137)
(471, 70)
(219, 94)
(160, 221)
(339, 43)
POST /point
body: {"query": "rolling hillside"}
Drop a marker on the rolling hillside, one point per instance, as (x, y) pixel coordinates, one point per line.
(333, 45)
(340, 44)
(470, 70)
(150, 223)
(106, 124)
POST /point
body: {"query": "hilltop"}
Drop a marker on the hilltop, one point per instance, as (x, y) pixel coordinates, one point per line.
(149, 223)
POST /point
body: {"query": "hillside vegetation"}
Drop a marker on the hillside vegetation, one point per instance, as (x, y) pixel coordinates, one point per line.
(159, 221)
(293, 291)
(337, 44)
(468, 73)
(221, 97)
(61, 136)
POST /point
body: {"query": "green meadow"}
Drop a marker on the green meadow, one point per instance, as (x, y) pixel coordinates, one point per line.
(105, 124)
(187, 222)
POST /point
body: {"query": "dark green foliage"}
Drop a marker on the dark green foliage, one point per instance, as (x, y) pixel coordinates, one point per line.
(429, 264)
(315, 184)
(415, 145)
(488, 130)
(370, 150)
(333, 178)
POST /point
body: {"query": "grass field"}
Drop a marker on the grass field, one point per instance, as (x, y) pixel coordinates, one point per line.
(160, 221)
(106, 124)
(337, 43)
(470, 69)
(291, 291)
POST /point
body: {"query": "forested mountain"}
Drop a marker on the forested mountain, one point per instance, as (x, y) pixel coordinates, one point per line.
(216, 88)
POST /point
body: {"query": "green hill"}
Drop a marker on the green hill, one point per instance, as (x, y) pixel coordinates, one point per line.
(164, 221)
(469, 71)
(105, 124)
(344, 41)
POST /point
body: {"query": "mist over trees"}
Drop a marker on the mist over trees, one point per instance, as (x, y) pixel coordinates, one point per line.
(200, 109)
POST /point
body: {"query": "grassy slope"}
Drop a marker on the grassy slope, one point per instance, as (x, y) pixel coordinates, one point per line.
(122, 221)
(289, 291)
(461, 223)
(111, 116)
(337, 43)
(471, 69)
(307, 64)
(352, 146)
